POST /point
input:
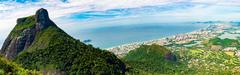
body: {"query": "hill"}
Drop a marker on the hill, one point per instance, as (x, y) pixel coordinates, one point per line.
(154, 60)
(151, 59)
(38, 44)
(223, 42)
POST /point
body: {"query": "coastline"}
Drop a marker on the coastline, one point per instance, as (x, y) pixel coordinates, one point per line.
(125, 48)
(143, 42)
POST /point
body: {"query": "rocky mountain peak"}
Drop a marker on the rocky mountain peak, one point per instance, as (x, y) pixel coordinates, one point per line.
(42, 18)
(36, 42)
(42, 14)
(25, 32)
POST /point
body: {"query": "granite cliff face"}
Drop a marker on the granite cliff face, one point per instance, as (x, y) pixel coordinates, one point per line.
(24, 33)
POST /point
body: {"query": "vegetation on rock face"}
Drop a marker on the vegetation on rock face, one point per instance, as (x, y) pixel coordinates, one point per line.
(69, 55)
(150, 60)
(20, 37)
(24, 23)
(51, 35)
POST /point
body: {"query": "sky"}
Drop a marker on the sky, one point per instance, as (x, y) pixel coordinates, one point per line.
(70, 14)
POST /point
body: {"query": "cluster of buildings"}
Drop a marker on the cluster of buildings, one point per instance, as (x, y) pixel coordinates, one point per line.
(124, 49)
(206, 33)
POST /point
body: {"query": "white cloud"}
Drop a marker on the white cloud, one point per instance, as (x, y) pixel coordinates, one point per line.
(10, 11)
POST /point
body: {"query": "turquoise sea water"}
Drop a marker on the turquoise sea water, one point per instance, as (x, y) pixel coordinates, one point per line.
(106, 37)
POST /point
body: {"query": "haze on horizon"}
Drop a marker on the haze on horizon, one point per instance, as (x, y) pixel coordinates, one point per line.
(93, 13)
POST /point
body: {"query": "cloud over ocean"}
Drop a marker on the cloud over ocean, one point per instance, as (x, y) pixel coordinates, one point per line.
(92, 13)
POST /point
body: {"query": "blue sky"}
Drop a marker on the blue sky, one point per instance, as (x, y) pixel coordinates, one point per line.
(93, 13)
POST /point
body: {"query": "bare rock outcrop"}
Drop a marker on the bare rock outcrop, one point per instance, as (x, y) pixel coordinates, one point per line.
(24, 33)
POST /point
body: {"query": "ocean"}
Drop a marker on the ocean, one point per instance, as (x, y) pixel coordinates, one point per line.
(111, 36)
